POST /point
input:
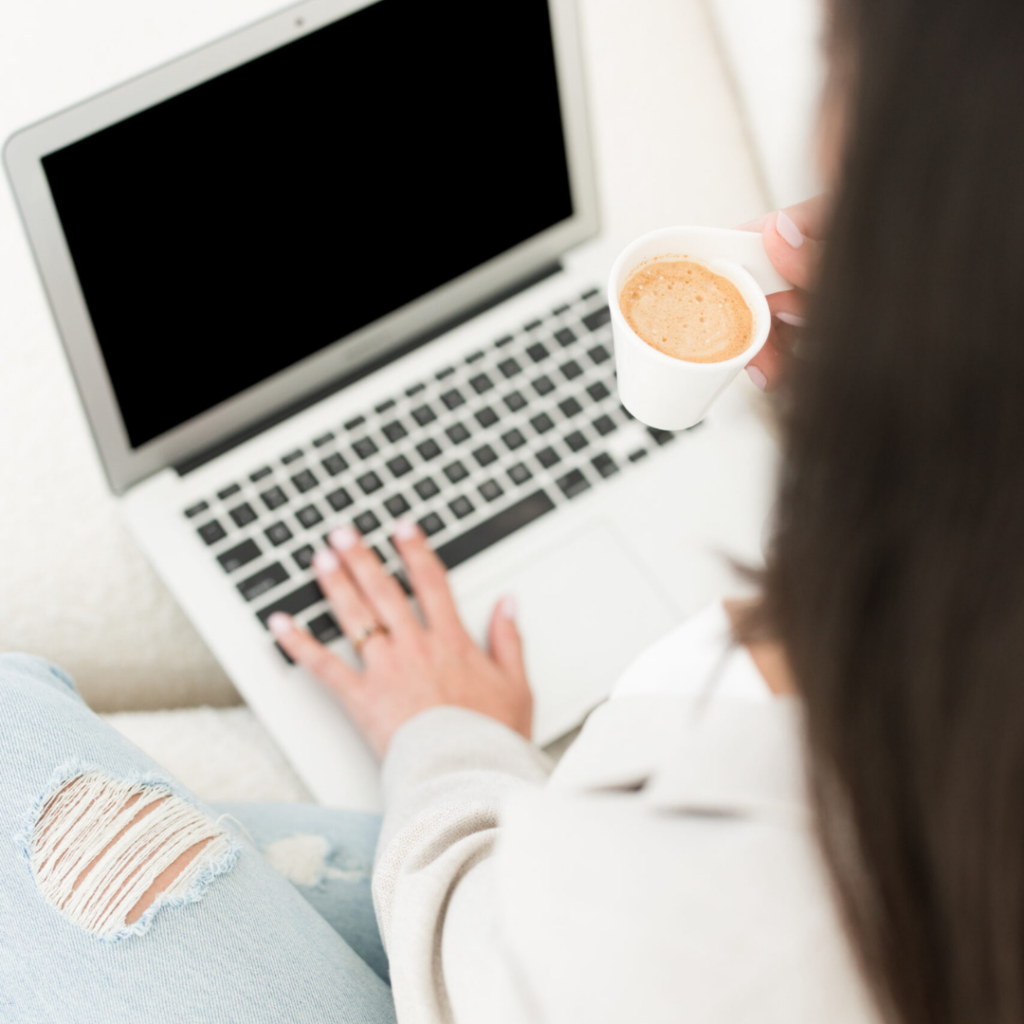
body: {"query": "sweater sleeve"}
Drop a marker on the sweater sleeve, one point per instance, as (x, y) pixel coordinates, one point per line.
(446, 774)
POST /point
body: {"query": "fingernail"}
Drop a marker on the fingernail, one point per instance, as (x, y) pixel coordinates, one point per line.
(789, 231)
(508, 606)
(343, 538)
(759, 379)
(406, 529)
(325, 561)
(792, 319)
(280, 624)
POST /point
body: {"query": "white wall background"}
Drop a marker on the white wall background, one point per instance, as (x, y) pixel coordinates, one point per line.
(671, 148)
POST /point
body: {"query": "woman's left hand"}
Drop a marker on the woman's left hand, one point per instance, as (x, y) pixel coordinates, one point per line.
(408, 666)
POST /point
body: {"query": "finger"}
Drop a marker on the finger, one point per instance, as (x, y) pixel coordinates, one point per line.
(383, 594)
(809, 216)
(793, 254)
(504, 641)
(353, 613)
(766, 368)
(788, 307)
(428, 577)
(308, 652)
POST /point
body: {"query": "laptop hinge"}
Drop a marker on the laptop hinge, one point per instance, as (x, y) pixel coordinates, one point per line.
(280, 415)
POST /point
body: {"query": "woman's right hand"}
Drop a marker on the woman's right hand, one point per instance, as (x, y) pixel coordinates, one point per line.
(792, 239)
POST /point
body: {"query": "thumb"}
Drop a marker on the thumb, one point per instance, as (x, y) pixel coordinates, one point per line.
(793, 254)
(504, 640)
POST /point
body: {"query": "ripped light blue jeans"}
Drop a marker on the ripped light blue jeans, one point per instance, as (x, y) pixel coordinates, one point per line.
(236, 941)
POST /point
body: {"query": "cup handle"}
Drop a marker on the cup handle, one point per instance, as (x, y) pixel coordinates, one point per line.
(747, 249)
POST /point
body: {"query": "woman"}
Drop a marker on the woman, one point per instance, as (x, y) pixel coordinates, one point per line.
(704, 852)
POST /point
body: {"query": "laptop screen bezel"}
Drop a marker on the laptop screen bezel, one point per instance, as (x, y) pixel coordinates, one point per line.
(23, 155)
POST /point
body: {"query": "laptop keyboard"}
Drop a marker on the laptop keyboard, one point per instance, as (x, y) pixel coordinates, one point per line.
(473, 454)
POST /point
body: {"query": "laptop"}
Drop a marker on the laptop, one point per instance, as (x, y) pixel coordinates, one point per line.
(344, 265)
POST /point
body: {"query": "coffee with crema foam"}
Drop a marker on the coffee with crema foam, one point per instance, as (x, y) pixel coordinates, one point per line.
(687, 311)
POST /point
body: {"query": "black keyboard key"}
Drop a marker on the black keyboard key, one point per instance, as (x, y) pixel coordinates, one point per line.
(228, 492)
(626, 412)
(195, 510)
(491, 490)
(369, 482)
(366, 523)
(397, 505)
(426, 488)
(571, 370)
(394, 431)
(453, 399)
(544, 385)
(325, 628)
(304, 481)
(384, 406)
(274, 498)
(519, 474)
(485, 455)
(428, 450)
(598, 318)
(266, 579)
(598, 391)
(364, 447)
(456, 472)
(284, 654)
(399, 466)
(510, 367)
(565, 336)
(604, 425)
(639, 454)
(481, 383)
(489, 532)
(292, 457)
(537, 352)
(357, 422)
(334, 464)
(502, 342)
(339, 499)
(475, 357)
(303, 556)
(559, 310)
(297, 601)
(515, 401)
(576, 441)
(319, 442)
(415, 390)
(446, 372)
(423, 415)
(461, 507)
(309, 516)
(599, 354)
(403, 581)
(457, 433)
(547, 457)
(513, 439)
(542, 423)
(377, 551)
(570, 407)
(260, 474)
(278, 533)
(487, 417)
(431, 524)
(604, 464)
(238, 556)
(212, 532)
(243, 515)
(533, 325)
(661, 436)
(590, 293)
(573, 483)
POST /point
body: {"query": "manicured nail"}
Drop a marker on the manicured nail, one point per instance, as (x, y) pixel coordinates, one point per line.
(789, 231)
(508, 606)
(280, 625)
(759, 379)
(792, 319)
(343, 538)
(406, 529)
(325, 561)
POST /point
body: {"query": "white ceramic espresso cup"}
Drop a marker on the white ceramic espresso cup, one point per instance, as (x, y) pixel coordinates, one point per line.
(670, 393)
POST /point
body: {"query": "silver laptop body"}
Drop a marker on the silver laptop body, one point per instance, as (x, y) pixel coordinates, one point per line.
(344, 265)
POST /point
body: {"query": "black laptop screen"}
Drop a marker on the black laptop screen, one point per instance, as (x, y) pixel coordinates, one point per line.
(241, 226)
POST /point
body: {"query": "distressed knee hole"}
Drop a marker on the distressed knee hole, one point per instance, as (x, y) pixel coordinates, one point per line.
(104, 851)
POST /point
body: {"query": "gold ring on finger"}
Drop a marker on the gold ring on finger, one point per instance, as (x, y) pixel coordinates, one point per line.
(366, 634)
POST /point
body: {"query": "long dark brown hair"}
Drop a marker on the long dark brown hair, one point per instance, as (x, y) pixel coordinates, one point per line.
(896, 577)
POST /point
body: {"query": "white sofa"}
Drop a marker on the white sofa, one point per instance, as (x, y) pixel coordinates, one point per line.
(701, 111)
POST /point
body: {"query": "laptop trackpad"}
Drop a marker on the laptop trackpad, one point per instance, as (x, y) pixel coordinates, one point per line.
(585, 610)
